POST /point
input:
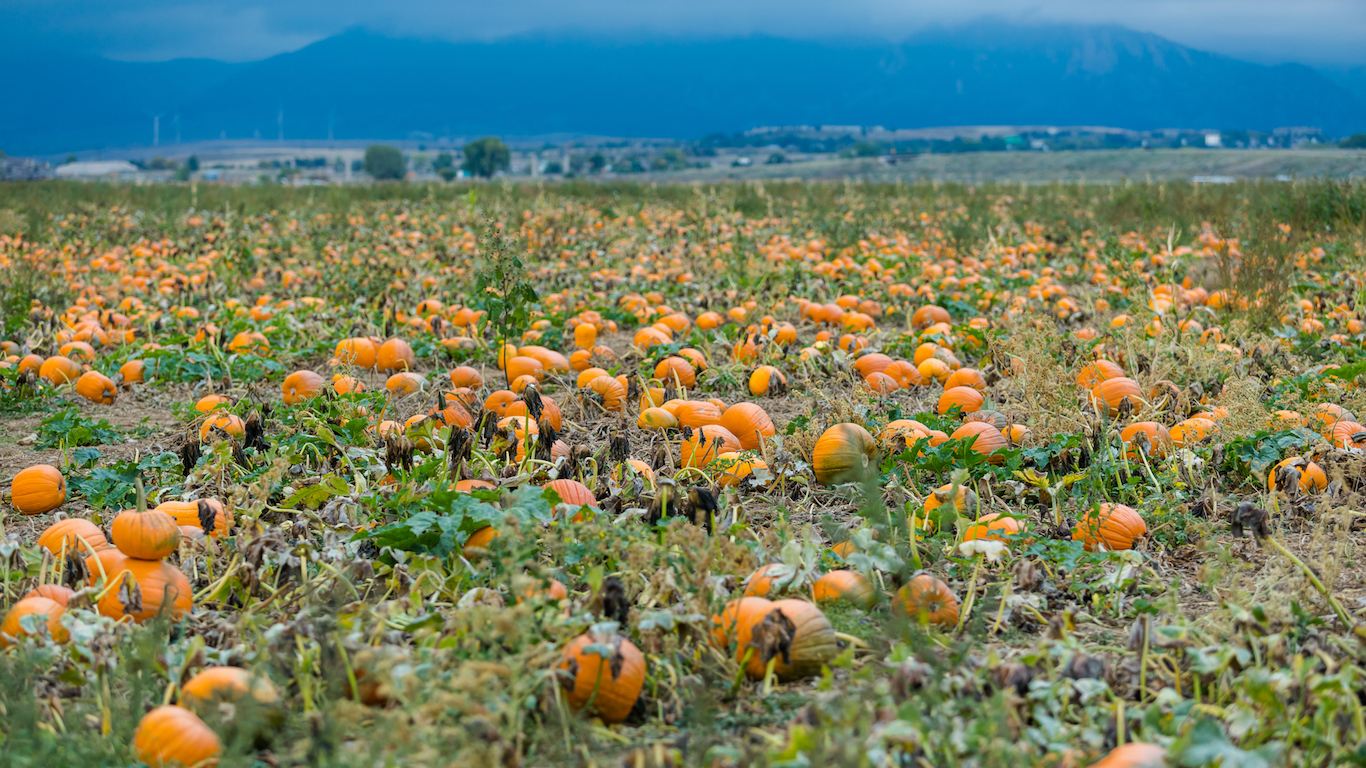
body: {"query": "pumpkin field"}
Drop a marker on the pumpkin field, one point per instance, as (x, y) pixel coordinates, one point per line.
(784, 474)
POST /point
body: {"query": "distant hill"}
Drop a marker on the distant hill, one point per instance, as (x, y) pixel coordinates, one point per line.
(365, 85)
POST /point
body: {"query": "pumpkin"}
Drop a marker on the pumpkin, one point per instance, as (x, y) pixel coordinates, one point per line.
(1191, 432)
(609, 391)
(55, 592)
(656, 418)
(774, 578)
(162, 586)
(698, 413)
(927, 600)
(585, 336)
(873, 362)
(395, 355)
(966, 398)
(767, 381)
(707, 443)
(520, 366)
(549, 359)
(606, 687)
(133, 371)
(358, 351)
(985, 438)
(38, 489)
(903, 373)
(734, 468)
(844, 585)
(465, 376)
(12, 630)
(1115, 526)
(880, 383)
(1312, 477)
(749, 423)
(844, 453)
(1113, 392)
(209, 403)
(934, 369)
(573, 492)
(1095, 372)
(966, 377)
(1135, 754)
(208, 515)
(302, 385)
(480, 539)
(405, 383)
(1159, 440)
(345, 385)
(676, 369)
(96, 387)
(992, 527)
(174, 736)
(227, 422)
(928, 315)
(794, 634)
(59, 370)
(145, 534)
(68, 534)
(215, 684)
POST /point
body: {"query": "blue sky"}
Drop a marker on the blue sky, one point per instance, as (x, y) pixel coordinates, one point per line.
(1320, 32)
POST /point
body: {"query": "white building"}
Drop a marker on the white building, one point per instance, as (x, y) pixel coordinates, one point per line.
(118, 170)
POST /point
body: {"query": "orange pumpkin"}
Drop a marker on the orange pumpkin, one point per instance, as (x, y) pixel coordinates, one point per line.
(96, 387)
(966, 377)
(843, 585)
(966, 398)
(175, 736)
(59, 370)
(573, 492)
(208, 515)
(927, 600)
(162, 585)
(986, 439)
(767, 380)
(215, 684)
(1135, 754)
(38, 489)
(1312, 477)
(605, 686)
(12, 630)
(145, 534)
(302, 385)
(358, 351)
(1115, 526)
(68, 534)
(749, 423)
(395, 355)
(1112, 393)
(1159, 440)
(676, 369)
(844, 453)
(992, 527)
(465, 376)
(707, 443)
(1095, 372)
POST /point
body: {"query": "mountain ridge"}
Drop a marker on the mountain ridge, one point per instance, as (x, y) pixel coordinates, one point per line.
(364, 85)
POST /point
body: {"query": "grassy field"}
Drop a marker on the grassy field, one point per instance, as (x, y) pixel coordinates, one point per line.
(1057, 470)
(1098, 166)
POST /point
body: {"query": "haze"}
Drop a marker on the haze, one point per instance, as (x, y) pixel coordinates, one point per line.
(1319, 32)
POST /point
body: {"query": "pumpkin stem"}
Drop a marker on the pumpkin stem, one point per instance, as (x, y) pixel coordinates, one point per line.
(142, 492)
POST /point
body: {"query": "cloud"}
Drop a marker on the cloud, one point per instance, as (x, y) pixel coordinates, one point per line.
(1314, 31)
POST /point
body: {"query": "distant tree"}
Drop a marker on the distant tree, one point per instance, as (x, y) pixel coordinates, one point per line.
(777, 158)
(446, 174)
(2, 153)
(384, 162)
(1355, 141)
(554, 166)
(597, 162)
(192, 163)
(69, 159)
(865, 149)
(443, 160)
(486, 156)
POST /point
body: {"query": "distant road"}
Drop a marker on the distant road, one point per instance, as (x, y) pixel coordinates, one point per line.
(1072, 166)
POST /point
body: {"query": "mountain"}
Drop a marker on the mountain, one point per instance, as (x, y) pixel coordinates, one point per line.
(364, 85)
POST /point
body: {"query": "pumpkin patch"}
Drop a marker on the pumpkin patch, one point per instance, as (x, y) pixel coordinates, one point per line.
(780, 474)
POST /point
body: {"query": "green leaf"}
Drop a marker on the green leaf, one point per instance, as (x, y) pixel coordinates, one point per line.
(1207, 745)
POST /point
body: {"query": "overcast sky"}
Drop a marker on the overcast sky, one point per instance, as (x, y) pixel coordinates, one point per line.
(1310, 31)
